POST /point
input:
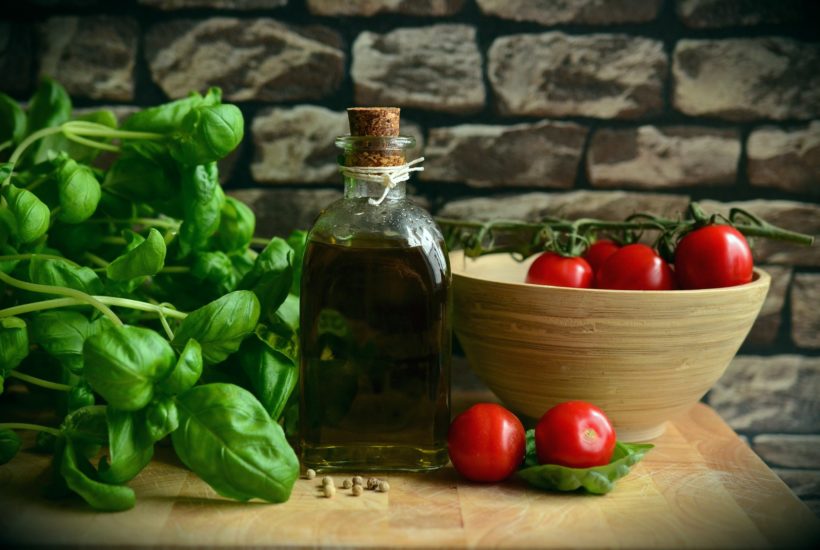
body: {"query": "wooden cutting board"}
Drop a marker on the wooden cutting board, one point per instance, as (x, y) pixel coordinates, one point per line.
(700, 487)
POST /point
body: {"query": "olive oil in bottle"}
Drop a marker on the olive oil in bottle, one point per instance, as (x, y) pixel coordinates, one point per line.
(375, 322)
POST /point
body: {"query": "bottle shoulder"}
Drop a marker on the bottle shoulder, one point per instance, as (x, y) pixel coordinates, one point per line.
(398, 222)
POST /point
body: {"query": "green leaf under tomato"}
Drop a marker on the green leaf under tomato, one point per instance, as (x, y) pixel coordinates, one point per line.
(597, 480)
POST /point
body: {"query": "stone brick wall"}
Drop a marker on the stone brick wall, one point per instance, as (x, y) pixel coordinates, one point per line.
(523, 108)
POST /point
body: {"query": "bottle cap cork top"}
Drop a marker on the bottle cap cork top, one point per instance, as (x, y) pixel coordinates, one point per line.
(374, 121)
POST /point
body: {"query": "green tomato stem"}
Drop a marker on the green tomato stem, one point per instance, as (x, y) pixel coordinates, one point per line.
(6, 144)
(166, 327)
(62, 291)
(33, 427)
(39, 381)
(90, 142)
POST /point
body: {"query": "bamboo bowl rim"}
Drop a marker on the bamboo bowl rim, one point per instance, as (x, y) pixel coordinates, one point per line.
(458, 261)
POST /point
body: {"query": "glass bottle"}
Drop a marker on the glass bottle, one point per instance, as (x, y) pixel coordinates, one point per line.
(375, 326)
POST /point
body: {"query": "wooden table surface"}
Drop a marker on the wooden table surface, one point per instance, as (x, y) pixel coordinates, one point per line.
(700, 487)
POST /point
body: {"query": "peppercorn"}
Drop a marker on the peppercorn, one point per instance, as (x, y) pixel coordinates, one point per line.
(347, 484)
(310, 473)
(357, 480)
(330, 491)
(383, 487)
(327, 480)
(357, 490)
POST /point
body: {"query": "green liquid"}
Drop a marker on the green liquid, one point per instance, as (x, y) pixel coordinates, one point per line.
(375, 372)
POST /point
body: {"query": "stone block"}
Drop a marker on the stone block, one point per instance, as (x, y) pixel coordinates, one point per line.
(795, 216)
(607, 205)
(764, 331)
(804, 483)
(90, 56)
(776, 393)
(594, 75)
(747, 78)
(368, 8)
(787, 160)
(257, 59)
(789, 450)
(806, 310)
(544, 154)
(168, 5)
(709, 14)
(296, 144)
(652, 157)
(437, 68)
(580, 12)
(15, 57)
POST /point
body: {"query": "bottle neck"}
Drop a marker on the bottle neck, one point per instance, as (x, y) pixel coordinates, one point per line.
(358, 189)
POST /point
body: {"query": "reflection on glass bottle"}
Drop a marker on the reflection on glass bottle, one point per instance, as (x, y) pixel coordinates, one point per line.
(375, 324)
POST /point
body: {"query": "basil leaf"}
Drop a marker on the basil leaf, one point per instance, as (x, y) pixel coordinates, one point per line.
(202, 200)
(139, 178)
(236, 226)
(49, 106)
(9, 445)
(168, 117)
(161, 418)
(596, 480)
(81, 478)
(64, 273)
(228, 439)
(31, 215)
(220, 326)
(207, 134)
(187, 371)
(271, 275)
(79, 396)
(79, 192)
(8, 226)
(145, 259)
(123, 363)
(272, 374)
(13, 345)
(297, 240)
(216, 269)
(87, 428)
(130, 448)
(12, 121)
(62, 333)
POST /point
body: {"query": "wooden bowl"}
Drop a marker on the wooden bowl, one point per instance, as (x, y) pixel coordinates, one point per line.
(643, 357)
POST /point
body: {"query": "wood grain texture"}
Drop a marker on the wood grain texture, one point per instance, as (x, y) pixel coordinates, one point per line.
(643, 357)
(700, 487)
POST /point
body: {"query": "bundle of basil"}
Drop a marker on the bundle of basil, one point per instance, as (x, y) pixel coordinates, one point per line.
(97, 268)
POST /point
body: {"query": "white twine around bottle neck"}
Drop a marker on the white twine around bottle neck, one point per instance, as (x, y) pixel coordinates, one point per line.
(389, 176)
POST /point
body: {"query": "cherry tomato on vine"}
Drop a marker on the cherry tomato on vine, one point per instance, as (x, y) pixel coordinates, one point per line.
(599, 251)
(575, 434)
(556, 270)
(635, 267)
(486, 442)
(713, 256)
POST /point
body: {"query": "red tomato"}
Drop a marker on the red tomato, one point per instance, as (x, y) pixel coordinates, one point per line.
(713, 256)
(486, 442)
(556, 270)
(574, 434)
(635, 267)
(598, 252)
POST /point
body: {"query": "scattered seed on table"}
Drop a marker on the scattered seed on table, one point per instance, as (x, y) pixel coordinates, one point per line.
(357, 490)
(327, 480)
(330, 491)
(383, 487)
(311, 473)
(347, 484)
(357, 480)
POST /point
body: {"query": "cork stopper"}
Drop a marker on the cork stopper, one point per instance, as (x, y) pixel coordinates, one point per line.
(374, 122)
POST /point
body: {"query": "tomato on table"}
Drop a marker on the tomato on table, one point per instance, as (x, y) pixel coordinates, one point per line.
(556, 270)
(575, 434)
(486, 442)
(599, 251)
(635, 267)
(713, 256)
